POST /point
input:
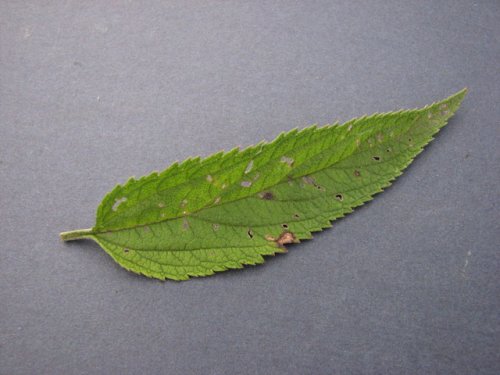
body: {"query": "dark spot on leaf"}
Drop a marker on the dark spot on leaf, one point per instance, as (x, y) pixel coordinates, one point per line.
(284, 226)
(267, 195)
(376, 158)
(296, 216)
(125, 250)
(357, 173)
(388, 150)
(250, 233)
(339, 197)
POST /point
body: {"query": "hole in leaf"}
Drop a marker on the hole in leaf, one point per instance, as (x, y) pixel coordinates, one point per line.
(339, 197)
(376, 158)
(125, 250)
(296, 216)
(388, 149)
(250, 233)
(284, 226)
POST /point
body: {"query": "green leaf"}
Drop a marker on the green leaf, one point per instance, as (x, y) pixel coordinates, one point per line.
(230, 209)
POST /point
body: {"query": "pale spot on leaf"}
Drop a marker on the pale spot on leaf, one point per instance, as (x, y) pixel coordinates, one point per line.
(287, 160)
(118, 202)
(246, 184)
(249, 167)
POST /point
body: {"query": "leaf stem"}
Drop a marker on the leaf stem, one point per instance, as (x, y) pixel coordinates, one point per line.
(76, 234)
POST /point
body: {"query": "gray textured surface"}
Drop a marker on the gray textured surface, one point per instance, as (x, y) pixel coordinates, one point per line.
(94, 93)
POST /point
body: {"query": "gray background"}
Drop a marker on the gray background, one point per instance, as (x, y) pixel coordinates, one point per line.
(94, 92)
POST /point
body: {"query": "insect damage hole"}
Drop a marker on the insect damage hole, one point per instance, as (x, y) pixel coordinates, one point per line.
(296, 216)
(284, 225)
(250, 233)
(339, 197)
(376, 158)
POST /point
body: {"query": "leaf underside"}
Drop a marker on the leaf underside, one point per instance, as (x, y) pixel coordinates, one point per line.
(232, 208)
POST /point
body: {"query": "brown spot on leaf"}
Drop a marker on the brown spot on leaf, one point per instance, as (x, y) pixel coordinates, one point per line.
(125, 250)
(357, 173)
(286, 238)
(216, 227)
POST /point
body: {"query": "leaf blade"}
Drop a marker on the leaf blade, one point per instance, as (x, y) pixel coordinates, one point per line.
(231, 209)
